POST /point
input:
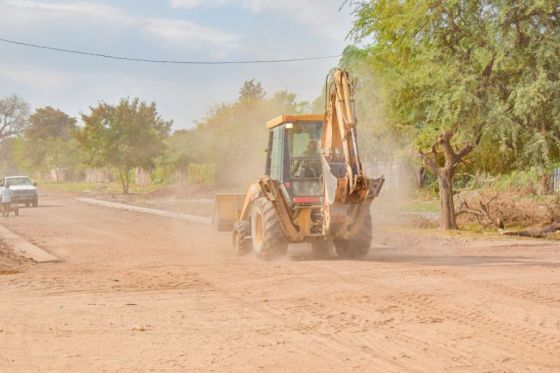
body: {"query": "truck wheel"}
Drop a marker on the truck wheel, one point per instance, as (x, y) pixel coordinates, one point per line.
(267, 235)
(241, 238)
(26, 204)
(357, 246)
(35, 203)
(321, 249)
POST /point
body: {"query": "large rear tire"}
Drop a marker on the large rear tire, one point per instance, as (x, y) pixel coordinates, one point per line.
(357, 246)
(268, 238)
(241, 238)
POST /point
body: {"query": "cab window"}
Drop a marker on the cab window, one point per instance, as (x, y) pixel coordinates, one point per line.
(305, 157)
(276, 154)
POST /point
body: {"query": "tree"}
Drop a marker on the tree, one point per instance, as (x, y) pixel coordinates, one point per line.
(49, 122)
(530, 33)
(49, 142)
(439, 64)
(251, 91)
(130, 134)
(8, 160)
(288, 103)
(14, 113)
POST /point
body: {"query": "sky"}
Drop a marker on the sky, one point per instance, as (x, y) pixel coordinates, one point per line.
(211, 30)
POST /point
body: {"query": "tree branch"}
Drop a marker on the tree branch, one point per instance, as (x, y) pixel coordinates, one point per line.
(444, 140)
(428, 161)
(464, 152)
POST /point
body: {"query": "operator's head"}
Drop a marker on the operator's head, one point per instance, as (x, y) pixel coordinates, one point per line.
(313, 146)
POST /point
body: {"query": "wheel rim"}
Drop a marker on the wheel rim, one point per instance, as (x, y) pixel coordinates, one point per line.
(258, 228)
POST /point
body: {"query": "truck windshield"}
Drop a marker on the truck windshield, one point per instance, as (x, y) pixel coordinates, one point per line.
(18, 181)
(305, 158)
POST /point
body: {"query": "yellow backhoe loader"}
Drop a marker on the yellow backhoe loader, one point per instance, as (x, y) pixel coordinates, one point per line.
(314, 188)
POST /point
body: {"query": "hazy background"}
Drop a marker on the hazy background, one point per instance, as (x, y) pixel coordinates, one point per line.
(166, 29)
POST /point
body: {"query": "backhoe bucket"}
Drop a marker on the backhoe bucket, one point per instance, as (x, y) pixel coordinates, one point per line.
(227, 210)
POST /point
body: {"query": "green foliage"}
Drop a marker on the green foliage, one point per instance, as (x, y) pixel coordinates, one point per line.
(378, 139)
(202, 174)
(8, 163)
(14, 115)
(459, 72)
(458, 65)
(49, 142)
(49, 122)
(251, 91)
(180, 150)
(436, 61)
(531, 29)
(522, 180)
(130, 134)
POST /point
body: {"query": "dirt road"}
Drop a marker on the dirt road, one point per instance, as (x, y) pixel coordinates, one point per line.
(143, 293)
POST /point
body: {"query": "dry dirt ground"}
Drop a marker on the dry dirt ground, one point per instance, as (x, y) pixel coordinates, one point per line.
(142, 293)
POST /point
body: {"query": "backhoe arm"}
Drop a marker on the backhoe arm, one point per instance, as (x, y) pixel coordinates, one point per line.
(345, 181)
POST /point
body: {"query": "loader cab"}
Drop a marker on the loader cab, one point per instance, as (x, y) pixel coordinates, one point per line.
(294, 157)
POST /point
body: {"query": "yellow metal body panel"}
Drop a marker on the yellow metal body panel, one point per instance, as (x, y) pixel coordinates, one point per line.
(303, 221)
(294, 118)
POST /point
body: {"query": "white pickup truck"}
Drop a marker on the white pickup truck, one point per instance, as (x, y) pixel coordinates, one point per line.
(23, 190)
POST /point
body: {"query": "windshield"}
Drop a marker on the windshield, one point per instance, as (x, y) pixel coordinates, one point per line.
(305, 158)
(18, 181)
(304, 140)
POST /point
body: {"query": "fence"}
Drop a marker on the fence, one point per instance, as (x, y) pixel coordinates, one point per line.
(555, 180)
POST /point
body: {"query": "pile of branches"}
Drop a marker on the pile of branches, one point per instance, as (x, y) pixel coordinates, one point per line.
(494, 209)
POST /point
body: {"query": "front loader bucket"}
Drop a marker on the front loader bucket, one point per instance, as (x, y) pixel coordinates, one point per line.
(227, 210)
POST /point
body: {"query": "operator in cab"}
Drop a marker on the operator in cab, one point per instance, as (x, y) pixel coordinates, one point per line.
(311, 167)
(312, 150)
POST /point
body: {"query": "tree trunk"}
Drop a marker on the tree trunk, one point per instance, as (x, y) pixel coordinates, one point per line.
(445, 174)
(127, 179)
(123, 176)
(445, 181)
(546, 188)
(421, 178)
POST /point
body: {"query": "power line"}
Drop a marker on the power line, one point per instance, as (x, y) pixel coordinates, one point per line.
(176, 62)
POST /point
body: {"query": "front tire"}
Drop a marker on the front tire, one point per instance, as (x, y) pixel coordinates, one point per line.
(357, 246)
(268, 238)
(35, 203)
(241, 238)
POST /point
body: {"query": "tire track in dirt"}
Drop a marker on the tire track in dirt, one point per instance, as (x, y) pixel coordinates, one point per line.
(300, 319)
(344, 325)
(286, 320)
(503, 332)
(340, 350)
(131, 281)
